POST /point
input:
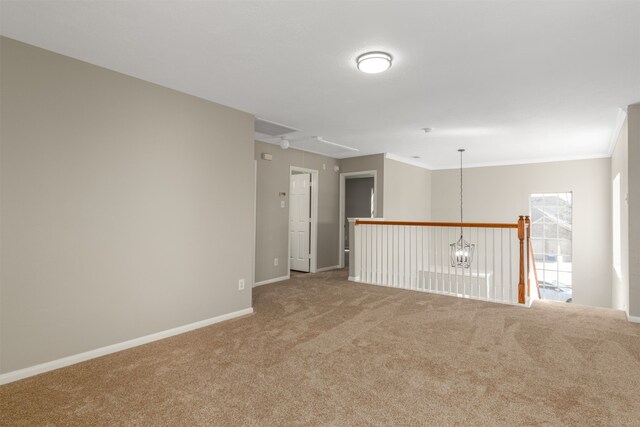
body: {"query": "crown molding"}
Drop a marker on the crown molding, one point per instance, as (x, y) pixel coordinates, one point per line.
(411, 162)
(620, 118)
(526, 162)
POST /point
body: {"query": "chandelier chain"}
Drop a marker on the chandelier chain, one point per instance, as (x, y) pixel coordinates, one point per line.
(461, 189)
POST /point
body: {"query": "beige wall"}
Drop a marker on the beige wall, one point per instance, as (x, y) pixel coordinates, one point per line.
(619, 165)
(407, 190)
(126, 208)
(272, 222)
(633, 120)
(369, 163)
(500, 194)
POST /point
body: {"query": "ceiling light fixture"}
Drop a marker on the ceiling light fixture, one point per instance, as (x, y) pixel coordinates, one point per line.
(461, 251)
(374, 62)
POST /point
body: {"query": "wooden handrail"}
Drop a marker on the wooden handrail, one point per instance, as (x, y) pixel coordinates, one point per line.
(523, 237)
(437, 224)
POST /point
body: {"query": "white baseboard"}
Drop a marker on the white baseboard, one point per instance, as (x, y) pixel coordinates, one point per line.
(634, 319)
(353, 278)
(333, 267)
(274, 280)
(103, 351)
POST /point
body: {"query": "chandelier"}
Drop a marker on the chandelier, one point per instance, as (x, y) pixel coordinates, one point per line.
(461, 251)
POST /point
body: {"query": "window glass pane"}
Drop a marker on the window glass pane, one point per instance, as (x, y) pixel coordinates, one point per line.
(551, 279)
(569, 198)
(564, 263)
(617, 221)
(550, 230)
(564, 214)
(564, 279)
(538, 246)
(551, 236)
(536, 229)
(551, 213)
(564, 232)
(536, 214)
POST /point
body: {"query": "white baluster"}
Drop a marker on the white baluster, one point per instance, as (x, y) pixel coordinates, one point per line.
(495, 276)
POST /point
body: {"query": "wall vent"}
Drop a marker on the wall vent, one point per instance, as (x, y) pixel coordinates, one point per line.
(270, 128)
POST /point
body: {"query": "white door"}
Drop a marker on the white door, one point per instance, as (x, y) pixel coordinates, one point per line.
(300, 221)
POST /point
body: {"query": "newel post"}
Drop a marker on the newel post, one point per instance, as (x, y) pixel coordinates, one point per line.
(527, 222)
(521, 237)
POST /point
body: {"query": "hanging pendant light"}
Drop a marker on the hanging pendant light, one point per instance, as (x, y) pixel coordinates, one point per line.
(461, 251)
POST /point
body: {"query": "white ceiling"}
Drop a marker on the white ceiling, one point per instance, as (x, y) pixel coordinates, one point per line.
(511, 82)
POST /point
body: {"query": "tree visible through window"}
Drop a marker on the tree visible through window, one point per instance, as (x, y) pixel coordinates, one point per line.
(551, 223)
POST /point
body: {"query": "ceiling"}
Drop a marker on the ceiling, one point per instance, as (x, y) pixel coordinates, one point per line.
(511, 82)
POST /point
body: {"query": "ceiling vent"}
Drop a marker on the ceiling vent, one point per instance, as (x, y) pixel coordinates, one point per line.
(272, 129)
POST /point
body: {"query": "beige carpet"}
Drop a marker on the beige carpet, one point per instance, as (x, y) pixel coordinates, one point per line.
(321, 350)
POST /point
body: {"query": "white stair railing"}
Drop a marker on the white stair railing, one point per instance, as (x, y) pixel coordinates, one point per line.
(417, 256)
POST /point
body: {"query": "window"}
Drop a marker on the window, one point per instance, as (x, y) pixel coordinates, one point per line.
(551, 224)
(617, 244)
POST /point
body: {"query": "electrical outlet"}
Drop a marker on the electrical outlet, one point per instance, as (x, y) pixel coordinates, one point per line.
(241, 284)
(275, 262)
(282, 203)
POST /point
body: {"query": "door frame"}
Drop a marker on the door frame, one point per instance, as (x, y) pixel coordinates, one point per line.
(313, 248)
(343, 179)
(255, 223)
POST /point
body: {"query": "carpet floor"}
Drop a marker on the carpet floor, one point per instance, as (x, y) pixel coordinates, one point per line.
(320, 350)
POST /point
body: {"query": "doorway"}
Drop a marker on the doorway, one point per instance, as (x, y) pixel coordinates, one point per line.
(358, 192)
(303, 223)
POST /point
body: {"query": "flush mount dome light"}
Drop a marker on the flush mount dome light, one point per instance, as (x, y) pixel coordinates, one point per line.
(374, 62)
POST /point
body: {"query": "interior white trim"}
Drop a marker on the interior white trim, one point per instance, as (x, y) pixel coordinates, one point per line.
(255, 222)
(103, 351)
(527, 162)
(634, 319)
(343, 180)
(411, 162)
(314, 217)
(401, 159)
(335, 144)
(620, 118)
(293, 147)
(274, 280)
(333, 267)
